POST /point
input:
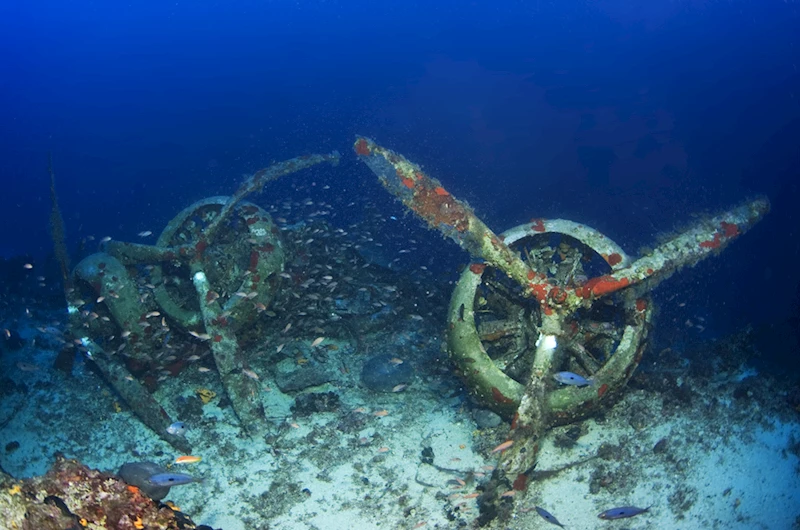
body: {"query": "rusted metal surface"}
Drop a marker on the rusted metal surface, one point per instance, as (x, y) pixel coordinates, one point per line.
(559, 289)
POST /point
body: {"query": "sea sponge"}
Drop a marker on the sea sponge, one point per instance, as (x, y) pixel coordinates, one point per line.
(205, 394)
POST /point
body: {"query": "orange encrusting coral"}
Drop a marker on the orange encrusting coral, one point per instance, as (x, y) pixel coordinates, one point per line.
(438, 209)
(614, 259)
(537, 225)
(362, 148)
(601, 285)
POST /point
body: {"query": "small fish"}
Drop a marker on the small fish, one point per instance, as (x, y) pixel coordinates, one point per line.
(399, 388)
(381, 413)
(27, 367)
(251, 374)
(503, 446)
(145, 233)
(317, 342)
(509, 493)
(106, 239)
(28, 266)
(178, 428)
(569, 378)
(201, 336)
(396, 361)
(188, 459)
(547, 516)
(171, 479)
(203, 369)
(622, 512)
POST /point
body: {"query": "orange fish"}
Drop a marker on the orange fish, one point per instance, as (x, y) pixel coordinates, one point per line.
(503, 446)
(187, 459)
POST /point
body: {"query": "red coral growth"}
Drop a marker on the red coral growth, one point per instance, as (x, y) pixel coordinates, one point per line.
(601, 285)
(539, 291)
(217, 338)
(521, 482)
(437, 209)
(477, 268)
(266, 247)
(362, 147)
(641, 304)
(407, 182)
(440, 191)
(537, 225)
(614, 259)
(500, 398)
(729, 229)
(176, 367)
(253, 261)
(200, 247)
(88, 498)
(220, 321)
(558, 295)
(251, 221)
(712, 243)
(602, 390)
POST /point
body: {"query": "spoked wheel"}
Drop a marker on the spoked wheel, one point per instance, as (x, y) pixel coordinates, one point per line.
(495, 331)
(241, 262)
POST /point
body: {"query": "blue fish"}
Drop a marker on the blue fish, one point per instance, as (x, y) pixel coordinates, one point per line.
(569, 378)
(622, 512)
(171, 479)
(178, 428)
(549, 517)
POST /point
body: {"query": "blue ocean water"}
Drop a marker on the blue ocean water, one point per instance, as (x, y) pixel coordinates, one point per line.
(633, 118)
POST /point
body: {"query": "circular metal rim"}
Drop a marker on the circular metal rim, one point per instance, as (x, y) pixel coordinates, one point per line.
(259, 230)
(498, 391)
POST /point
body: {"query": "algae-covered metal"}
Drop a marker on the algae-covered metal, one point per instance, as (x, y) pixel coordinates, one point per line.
(140, 310)
(507, 341)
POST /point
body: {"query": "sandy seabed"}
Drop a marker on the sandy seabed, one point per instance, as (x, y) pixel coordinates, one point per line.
(415, 458)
